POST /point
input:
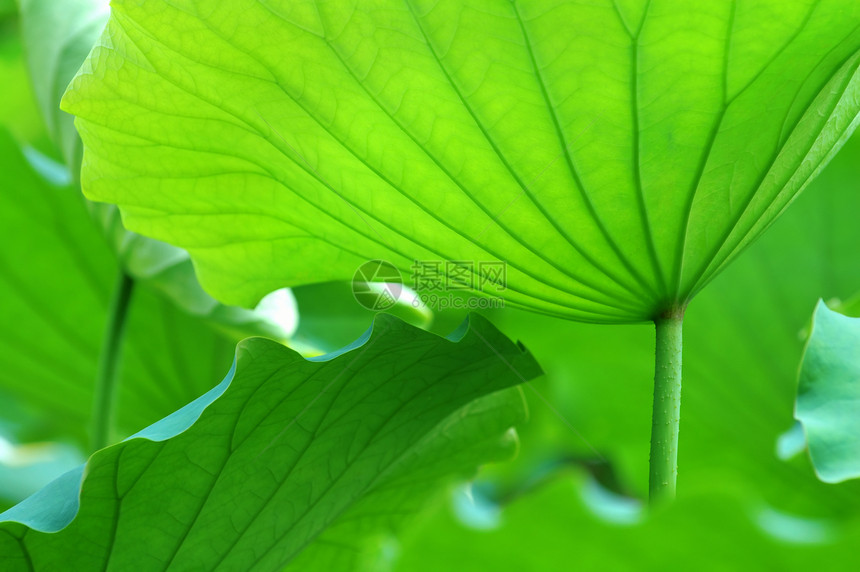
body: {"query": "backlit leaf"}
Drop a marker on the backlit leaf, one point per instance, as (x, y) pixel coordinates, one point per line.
(739, 505)
(614, 155)
(57, 38)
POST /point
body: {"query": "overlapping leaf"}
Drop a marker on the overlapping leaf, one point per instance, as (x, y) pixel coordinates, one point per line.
(286, 461)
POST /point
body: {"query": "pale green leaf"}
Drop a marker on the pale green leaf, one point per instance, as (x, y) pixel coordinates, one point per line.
(828, 398)
(742, 356)
(614, 155)
(57, 38)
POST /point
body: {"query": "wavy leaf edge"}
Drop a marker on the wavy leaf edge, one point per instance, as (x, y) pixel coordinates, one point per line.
(70, 484)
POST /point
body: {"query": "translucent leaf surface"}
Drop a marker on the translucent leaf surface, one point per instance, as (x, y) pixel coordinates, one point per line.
(739, 505)
(57, 38)
(614, 155)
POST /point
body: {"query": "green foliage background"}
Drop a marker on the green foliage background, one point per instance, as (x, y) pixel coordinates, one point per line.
(570, 498)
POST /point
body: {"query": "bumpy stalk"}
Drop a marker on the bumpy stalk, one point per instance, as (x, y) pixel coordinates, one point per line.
(667, 407)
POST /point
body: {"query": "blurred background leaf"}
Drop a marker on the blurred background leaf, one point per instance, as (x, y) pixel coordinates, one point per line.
(18, 110)
(57, 38)
(828, 399)
(558, 527)
(57, 270)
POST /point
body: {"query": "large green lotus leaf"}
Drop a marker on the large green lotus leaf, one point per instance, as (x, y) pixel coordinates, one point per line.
(288, 460)
(614, 155)
(56, 275)
(738, 399)
(828, 398)
(57, 38)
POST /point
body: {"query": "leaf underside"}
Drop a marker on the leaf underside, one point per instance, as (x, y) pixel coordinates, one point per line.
(57, 38)
(741, 356)
(614, 155)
